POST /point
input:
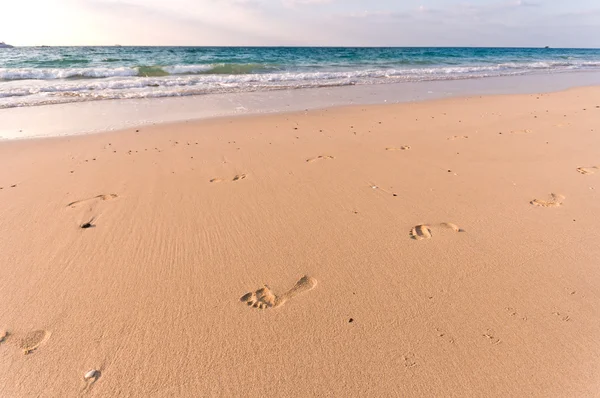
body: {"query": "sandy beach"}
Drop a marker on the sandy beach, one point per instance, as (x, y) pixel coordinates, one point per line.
(446, 248)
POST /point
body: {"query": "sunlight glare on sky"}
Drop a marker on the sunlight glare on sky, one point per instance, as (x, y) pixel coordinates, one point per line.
(520, 23)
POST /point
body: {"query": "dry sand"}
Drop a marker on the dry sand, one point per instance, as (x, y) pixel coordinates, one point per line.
(447, 248)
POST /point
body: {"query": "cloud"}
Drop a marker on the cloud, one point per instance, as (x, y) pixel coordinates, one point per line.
(307, 22)
(374, 15)
(296, 3)
(306, 2)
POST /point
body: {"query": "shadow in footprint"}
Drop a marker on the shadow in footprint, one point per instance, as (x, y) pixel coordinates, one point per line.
(89, 224)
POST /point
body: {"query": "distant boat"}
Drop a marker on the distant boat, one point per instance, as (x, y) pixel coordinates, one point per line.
(118, 45)
(547, 47)
(4, 45)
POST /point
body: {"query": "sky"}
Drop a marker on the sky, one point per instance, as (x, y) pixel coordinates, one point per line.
(486, 23)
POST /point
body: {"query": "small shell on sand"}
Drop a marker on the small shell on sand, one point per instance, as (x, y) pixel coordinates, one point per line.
(91, 374)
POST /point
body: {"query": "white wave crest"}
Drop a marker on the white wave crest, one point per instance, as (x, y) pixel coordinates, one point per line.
(30, 86)
(187, 69)
(63, 73)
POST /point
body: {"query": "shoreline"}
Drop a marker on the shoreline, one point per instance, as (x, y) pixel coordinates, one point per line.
(222, 119)
(91, 117)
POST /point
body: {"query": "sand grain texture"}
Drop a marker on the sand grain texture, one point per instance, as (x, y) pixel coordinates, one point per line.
(150, 296)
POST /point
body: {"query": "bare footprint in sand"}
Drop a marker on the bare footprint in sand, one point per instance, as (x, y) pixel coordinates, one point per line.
(423, 231)
(588, 170)
(99, 197)
(402, 148)
(554, 201)
(320, 157)
(238, 177)
(33, 340)
(420, 232)
(90, 213)
(524, 131)
(491, 336)
(265, 298)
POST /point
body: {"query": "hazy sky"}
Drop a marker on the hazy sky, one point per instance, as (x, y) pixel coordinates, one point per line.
(557, 23)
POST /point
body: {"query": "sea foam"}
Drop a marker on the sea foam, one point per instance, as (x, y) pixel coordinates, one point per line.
(56, 75)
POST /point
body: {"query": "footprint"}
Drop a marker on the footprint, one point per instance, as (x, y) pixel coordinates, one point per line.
(100, 197)
(562, 316)
(33, 340)
(409, 360)
(524, 131)
(238, 177)
(402, 148)
(90, 213)
(490, 336)
(457, 137)
(555, 201)
(513, 312)
(443, 335)
(588, 170)
(320, 157)
(451, 226)
(420, 232)
(423, 231)
(265, 298)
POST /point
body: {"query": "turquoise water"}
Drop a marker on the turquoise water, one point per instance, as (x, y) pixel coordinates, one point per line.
(45, 75)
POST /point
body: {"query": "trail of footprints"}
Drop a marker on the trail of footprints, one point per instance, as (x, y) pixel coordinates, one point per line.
(264, 297)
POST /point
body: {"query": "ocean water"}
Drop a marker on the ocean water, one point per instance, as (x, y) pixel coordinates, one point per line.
(32, 76)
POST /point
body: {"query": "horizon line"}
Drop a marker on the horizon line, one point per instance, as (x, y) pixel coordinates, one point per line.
(295, 46)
